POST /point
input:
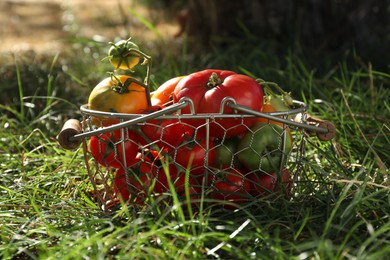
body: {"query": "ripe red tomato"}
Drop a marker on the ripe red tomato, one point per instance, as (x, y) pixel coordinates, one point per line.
(164, 132)
(230, 184)
(194, 189)
(163, 94)
(177, 176)
(140, 178)
(208, 88)
(263, 184)
(193, 152)
(110, 150)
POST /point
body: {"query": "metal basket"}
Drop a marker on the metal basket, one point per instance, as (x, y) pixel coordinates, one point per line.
(295, 124)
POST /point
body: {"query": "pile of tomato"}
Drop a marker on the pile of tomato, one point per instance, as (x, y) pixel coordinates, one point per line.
(232, 158)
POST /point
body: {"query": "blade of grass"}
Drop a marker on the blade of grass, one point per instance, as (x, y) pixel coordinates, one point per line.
(335, 209)
(20, 89)
(381, 165)
(50, 81)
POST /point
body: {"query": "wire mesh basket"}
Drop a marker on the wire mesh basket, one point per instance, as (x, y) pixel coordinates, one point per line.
(170, 149)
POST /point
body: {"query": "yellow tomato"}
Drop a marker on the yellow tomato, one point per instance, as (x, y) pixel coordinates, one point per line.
(117, 94)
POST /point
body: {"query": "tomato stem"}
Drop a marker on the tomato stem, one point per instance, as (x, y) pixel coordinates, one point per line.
(147, 61)
(214, 81)
(286, 96)
(123, 88)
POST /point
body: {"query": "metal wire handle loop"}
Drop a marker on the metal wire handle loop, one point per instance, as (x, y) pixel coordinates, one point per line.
(225, 101)
(190, 103)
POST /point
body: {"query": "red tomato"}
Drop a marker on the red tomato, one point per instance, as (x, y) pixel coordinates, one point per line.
(107, 148)
(177, 176)
(165, 132)
(193, 152)
(263, 184)
(208, 88)
(162, 180)
(163, 94)
(194, 189)
(231, 185)
(141, 176)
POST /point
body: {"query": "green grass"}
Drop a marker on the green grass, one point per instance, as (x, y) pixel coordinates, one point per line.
(340, 210)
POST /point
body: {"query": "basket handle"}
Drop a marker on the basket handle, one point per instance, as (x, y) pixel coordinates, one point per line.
(319, 123)
(71, 128)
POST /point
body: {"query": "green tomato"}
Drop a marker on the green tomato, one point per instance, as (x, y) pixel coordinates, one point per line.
(264, 148)
(124, 55)
(278, 103)
(226, 153)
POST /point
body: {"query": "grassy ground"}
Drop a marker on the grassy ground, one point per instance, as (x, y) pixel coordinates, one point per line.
(340, 210)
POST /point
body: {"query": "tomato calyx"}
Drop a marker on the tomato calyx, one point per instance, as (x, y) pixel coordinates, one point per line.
(123, 88)
(213, 81)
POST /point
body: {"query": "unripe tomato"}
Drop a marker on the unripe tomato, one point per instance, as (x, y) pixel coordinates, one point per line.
(264, 147)
(270, 108)
(122, 55)
(278, 103)
(226, 152)
(117, 94)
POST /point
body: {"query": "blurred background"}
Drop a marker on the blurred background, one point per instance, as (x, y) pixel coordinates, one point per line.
(316, 26)
(202, 33)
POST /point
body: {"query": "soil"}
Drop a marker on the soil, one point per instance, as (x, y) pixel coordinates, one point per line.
(42, 26)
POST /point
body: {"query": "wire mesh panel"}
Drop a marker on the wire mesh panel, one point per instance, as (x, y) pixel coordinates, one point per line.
(216, 156)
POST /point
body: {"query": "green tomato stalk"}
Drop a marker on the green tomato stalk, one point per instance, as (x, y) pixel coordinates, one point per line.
(279, 100)
(123, 88)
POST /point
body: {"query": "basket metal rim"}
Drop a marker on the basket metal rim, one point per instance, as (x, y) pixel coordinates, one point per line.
(301, 107)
